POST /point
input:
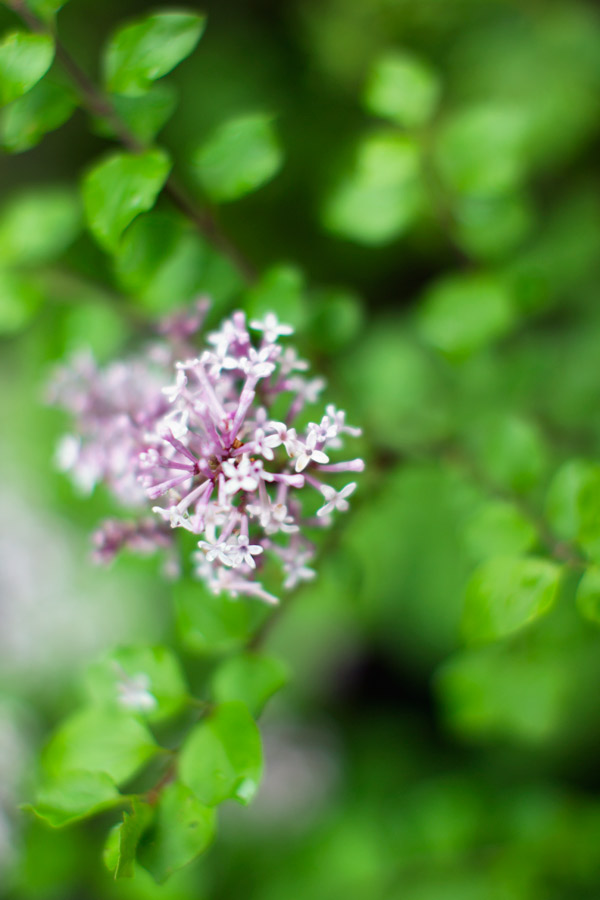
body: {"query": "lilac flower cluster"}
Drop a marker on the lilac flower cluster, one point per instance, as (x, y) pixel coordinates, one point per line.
(207, 450)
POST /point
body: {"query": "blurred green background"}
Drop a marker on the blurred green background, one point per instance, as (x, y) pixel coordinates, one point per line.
(434, 234)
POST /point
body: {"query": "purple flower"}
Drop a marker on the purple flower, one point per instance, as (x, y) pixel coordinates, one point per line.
(191, 427)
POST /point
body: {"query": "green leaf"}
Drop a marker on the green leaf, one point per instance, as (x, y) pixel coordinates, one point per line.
(140, 53)
(221, 758)
(505, 594)
(402, 88)
(145, 114)
(481, 150)
(45, 9)
(382, 195)
(250, 677)
(240, 156)
(499, 528)
(211, 624)
(282, 290)
(97, 740)
(20, 298)
(44, 108)
(123, 842)
(24, 59)
(573, 504)
(588, 595)
(183, 830)
(119, 188)
(511, 450)
(463, 313)
(337, 318)
(73, 796)
(38, 225)
(489, 228)
(147, 680)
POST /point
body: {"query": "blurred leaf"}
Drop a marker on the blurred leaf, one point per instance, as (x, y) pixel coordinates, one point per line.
(480, 150)
(123, 841)
(151, 676)
(382, 195)
(94, 740)
(119, 188)
(337, 318)
(505, 594)
(282, 290)
(20, 298)
(573, 504)
(183, 830)
(221, 758)
(402, 88)
(250, 677)
(45, 9)
(210, 624)
(463, 313)
(588, 595)
(38, 225)
(140, 53)
(74, 795)
(24, 59)
(499, 528)
(26, 120)
(490, 227)
(145, 114)
(511, 450)
(98, 326)
(239, 157)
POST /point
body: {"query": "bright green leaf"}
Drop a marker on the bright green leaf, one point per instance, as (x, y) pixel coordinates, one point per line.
(44, 108)
(402, 88)
(122, 852)
(96, 740)
(145, 50)
(183, 830)
(463, 313)
(250, 677)
(383, 193)
(240, 156)
(119, 188)
(38, 225)
(211, 624)
(24, 59)
(221, 758)
(499, 528)
(588, 595)
(74, 795)
(20, 298)
(145, 114)
(573, 504)
(147, 680)
(505, 594)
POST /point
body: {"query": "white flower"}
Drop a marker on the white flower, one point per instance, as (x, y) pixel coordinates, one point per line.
(290, 362)
(271, 327)
(284, 435)
(241, 476)
(296, 570)
(307, 390)
(134, 692)
(174, 391)
(258, 363)
(335, 499)
(246, 551)
(308, 454)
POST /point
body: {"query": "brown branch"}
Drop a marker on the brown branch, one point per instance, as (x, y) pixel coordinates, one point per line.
(95, 101)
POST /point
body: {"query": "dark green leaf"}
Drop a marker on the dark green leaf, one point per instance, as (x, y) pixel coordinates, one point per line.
(146, 680)
(382, 195)
(588, 595)
(145, 114)
(573, 502)
(280, 290)
(38, 225)
(239, 157)
(463, 313)
(44, 108)
(96, 740)
(45, 9)
(505, 594)
(402, 88)
(74, 795)
(250, 677)
(221, 758)
(511, 450)
(499, 528)
(337, 318)
(24, 59)
(140, 53)
(119, 188)
(183, 830)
